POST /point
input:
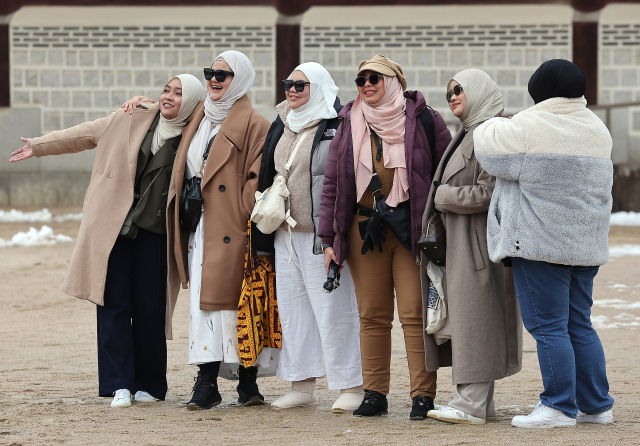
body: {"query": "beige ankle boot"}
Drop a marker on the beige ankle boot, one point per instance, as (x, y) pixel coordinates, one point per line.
(349, 400)
(303, 393)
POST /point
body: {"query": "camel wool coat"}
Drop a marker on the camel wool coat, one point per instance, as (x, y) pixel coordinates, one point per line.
(117, 139)
(486, 328)
(228, 186)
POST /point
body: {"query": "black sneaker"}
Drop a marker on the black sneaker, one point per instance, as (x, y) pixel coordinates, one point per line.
(374, 404)
(248, 393)
(205, 394)
(422, 404)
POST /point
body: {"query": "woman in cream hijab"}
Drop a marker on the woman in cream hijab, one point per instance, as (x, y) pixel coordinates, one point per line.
(483, 321)
(222, 145)
(315, 325)
(122, 268)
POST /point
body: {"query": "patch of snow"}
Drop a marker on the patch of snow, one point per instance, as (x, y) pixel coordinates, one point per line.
(43, 216)
(33, 237)
(625, 219)
(618, 304)
(619, 285)
(624, 250)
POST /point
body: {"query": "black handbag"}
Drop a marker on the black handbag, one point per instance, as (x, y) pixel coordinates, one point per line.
(398, 219)
(191, 200)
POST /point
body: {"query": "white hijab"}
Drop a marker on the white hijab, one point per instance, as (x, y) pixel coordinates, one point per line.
(484, 99)
(215, 112)
(323, 93)
(170, 128)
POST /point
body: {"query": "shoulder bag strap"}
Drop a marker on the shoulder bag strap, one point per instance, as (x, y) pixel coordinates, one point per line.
(295, 151)
(375, 185)
(430, 128)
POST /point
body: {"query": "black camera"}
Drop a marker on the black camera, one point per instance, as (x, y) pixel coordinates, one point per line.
(333, 278)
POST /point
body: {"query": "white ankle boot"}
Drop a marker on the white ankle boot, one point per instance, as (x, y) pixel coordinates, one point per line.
(303, 393)
(349, 400)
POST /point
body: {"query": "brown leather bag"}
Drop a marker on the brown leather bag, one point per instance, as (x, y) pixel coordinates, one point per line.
(434, 242)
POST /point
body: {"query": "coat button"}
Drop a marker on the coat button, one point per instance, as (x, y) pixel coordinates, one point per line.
(110, 174)
(221, 188)
(226, 239)
(159, 213)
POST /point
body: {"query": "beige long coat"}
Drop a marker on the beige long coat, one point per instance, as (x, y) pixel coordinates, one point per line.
(486, 339)
(117, 139)
(228, 187)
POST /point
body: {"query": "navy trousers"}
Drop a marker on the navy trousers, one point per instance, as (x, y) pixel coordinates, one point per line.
(132, 348)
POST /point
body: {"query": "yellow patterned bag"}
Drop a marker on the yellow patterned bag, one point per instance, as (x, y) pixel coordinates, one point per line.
(258, 319)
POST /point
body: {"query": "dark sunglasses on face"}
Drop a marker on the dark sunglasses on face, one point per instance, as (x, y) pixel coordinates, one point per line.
(373, 79)
(220, 75)
(288, 83)
(456, 91)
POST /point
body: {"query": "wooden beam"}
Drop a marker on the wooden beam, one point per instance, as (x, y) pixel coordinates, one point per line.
(585, 55)
(5, 66)
(287, 54)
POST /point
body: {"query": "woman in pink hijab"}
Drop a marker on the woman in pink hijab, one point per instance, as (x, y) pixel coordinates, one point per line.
(379, 171)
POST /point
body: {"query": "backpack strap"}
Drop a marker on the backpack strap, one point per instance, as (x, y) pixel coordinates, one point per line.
(426, 117)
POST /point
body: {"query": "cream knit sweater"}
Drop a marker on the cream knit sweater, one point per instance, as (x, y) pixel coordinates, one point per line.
(299, 179)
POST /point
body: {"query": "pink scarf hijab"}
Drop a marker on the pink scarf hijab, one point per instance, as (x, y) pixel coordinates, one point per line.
(387, 118)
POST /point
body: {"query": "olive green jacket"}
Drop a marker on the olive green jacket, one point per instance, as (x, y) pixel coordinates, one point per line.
(150, 213)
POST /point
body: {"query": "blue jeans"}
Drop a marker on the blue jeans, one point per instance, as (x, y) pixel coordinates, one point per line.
(555, 303)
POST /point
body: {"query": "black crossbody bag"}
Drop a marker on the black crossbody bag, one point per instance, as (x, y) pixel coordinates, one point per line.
(191, 200)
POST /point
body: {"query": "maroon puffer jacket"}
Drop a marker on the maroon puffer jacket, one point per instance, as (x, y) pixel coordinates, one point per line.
(339, 193)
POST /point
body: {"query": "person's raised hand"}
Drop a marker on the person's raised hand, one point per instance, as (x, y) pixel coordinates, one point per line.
(22, 153)
(135, 102)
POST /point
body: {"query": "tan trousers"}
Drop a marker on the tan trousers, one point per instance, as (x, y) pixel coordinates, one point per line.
(375, 275)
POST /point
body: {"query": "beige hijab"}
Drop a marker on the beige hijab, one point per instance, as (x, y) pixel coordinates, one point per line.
(170, 128)
(484, 99)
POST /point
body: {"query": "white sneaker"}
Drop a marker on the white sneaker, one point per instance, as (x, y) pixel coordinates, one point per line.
(349, 400)
(303, 393)
(543, 417)
(144, 397)
(600, 418)
(450, 414)
(122, 398)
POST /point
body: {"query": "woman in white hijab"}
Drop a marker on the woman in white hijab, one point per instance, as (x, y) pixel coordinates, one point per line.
(221, 147)
(315, 325)
(482, 338)
(122, 267)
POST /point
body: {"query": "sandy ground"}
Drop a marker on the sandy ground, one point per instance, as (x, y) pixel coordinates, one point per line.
(48, 376)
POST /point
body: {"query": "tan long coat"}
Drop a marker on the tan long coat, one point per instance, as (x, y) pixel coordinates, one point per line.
(117, 139)
(486, 339)
(228, 187)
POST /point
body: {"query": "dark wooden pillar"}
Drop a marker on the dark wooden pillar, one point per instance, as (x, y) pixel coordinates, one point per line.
(585, 55)
(5, 65)
(287, 53)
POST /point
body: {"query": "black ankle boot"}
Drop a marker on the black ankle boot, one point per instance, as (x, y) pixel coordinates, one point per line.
(422, 404)
(205, 393)
(248, 393)
(373, 404)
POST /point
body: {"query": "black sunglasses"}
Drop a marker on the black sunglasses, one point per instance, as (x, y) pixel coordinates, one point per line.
(373, 79)
(456, 91)
(220, 75)
(288, 83)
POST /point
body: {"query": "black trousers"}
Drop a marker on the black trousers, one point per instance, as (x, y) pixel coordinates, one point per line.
(132, 348)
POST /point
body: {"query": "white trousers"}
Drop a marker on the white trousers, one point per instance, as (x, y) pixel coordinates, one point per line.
(314, 322)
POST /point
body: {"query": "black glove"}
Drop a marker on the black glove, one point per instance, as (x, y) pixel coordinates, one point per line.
(372, 231)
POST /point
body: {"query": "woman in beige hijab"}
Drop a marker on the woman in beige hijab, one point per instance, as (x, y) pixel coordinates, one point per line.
(483, 319)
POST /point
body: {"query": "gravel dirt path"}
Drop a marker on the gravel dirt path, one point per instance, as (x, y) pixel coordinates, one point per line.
(48, 375)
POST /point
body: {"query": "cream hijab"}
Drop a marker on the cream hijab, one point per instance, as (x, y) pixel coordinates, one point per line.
(170, 128)
(215, 112)
(323, 95)
(484, 99)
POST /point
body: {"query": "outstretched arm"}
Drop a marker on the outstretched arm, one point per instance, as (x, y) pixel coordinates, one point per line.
(22, 153)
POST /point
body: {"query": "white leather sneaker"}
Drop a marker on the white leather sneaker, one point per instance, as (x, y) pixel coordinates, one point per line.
(543, 417)
(122, 398)
(144, 397)
(450, 414)
(302, 393)
(599, 418)
(349, 400)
